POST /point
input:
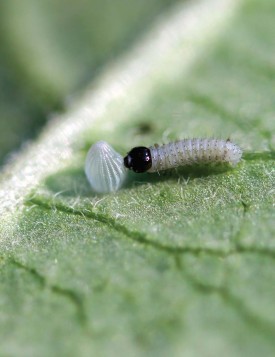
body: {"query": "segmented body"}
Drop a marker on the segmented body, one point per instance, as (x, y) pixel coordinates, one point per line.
(189, 151)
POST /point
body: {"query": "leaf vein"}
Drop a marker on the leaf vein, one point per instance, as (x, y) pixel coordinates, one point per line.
(69, 294)
(143, 238)
(249, 316)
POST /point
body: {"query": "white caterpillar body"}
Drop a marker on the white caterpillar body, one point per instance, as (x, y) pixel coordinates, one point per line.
(189, 151)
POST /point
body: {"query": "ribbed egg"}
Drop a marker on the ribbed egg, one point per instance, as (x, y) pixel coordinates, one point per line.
(104, 168)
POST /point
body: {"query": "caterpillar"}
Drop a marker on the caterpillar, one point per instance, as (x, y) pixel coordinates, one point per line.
(182, 152)
(106, 169)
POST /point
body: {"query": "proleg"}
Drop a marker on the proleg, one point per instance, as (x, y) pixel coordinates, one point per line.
(182, 152)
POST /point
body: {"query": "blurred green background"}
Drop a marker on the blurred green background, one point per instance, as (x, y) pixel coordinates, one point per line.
(50, 49)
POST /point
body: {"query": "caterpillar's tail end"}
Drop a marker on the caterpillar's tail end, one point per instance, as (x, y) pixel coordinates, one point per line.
(234, 153)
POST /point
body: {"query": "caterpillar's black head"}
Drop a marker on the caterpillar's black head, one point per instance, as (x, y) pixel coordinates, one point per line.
(138, 159)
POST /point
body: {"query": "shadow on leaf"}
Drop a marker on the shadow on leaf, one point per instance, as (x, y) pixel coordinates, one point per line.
(73, 182)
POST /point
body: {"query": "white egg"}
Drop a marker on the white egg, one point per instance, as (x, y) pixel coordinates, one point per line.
(104, 168)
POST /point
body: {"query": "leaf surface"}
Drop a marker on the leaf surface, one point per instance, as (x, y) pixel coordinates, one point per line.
(173, 264)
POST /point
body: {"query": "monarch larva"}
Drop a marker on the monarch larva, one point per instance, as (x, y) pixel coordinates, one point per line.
(105, 168)
(182, 152)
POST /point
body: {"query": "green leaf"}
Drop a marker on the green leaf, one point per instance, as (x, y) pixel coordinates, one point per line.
(48, 49)
(178, 264)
